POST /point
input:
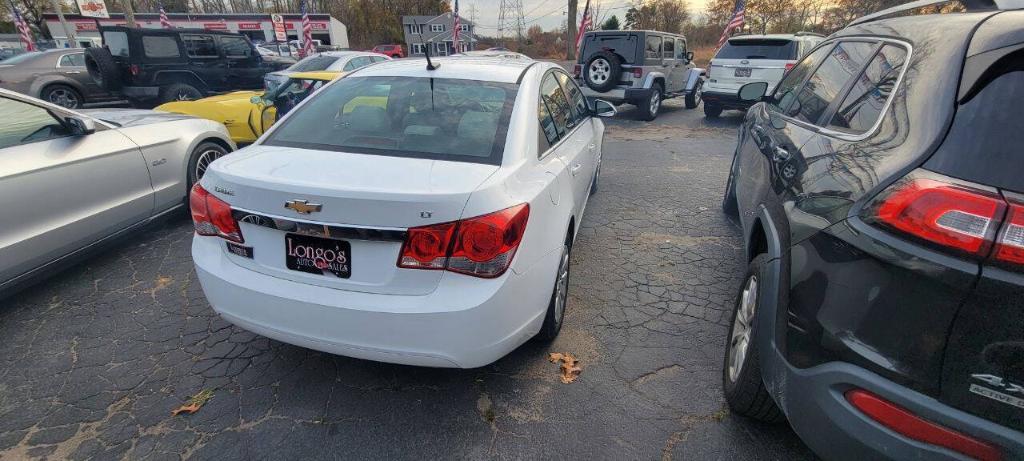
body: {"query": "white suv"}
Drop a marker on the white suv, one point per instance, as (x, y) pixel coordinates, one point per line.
(751, 58)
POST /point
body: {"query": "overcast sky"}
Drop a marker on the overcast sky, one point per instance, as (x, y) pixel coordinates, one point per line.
(549, 14)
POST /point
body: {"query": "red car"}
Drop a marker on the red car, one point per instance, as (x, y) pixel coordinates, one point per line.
(395, 51)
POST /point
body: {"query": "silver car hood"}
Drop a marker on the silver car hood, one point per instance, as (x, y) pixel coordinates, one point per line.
(133, 117)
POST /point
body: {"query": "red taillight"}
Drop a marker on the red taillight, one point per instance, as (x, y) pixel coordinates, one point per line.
(941, 211)
(134, 69)
(638, 72)
(576, 70)
(1010, 246)
(789, 65)
(912, 426)
(212, 216)
(482, 246)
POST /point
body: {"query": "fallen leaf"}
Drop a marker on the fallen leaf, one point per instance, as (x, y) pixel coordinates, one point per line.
(570, 369)
(194, 403)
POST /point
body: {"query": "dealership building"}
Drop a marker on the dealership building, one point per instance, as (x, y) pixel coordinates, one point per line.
(258, 27)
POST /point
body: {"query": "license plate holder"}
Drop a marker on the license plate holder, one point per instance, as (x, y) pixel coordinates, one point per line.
(742, 72)
(318, 255)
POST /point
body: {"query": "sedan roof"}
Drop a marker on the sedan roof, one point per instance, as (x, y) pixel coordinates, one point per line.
(486, 69)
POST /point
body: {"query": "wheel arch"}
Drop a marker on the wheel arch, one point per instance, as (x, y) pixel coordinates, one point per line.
(772, 310)
(211, 137)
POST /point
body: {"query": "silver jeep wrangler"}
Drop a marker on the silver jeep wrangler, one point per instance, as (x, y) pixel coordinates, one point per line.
(639, 67)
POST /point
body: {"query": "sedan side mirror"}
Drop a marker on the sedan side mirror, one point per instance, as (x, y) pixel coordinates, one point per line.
(81, 126)
(604, 108)
(753, 91)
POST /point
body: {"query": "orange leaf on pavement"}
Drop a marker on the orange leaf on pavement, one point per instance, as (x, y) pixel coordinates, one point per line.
(570, 366)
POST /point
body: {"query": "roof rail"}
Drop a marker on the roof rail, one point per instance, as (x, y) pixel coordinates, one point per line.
(806, 33)
(971, 5)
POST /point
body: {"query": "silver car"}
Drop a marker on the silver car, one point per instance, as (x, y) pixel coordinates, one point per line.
(344, 61)
(71, 180)
(57, 76)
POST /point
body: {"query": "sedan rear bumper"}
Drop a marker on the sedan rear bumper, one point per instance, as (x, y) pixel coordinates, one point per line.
(466, 322)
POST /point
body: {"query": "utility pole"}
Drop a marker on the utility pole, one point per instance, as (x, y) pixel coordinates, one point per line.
(129, 13)
(68, 31)
(570, 54)
(472, 21)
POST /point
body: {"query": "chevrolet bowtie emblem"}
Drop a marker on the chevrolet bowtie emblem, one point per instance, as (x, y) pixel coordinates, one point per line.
(303, 206)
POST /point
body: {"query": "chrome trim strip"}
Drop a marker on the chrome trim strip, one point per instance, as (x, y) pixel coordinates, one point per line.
(319, 229)
(741, 66)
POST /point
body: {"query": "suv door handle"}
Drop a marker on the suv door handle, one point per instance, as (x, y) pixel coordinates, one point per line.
(72, 72)
(576, 169)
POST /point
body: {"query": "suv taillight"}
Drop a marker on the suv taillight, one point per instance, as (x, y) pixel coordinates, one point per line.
(576, 70)
(942, 211)
(789, 65)
(638, 72)
(1010, 246)
(212, 216)
(134, 69)
(482, 246)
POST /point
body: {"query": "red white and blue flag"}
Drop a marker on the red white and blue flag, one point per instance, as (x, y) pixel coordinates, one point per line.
(585, 25)
(456, 26)
(164, 22)
(307, 33)
(735, 22)
(23, 30)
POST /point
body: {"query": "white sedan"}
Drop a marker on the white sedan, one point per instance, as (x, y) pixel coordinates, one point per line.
(406, 215)
(73, 180)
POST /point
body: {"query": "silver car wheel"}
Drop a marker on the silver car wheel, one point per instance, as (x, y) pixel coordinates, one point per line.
(599, 71)
(203, 162)
(562, 286)
(742, 327)
(64, 98)
(655, 102)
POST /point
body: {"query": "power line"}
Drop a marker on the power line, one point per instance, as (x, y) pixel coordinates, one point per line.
(511, 20)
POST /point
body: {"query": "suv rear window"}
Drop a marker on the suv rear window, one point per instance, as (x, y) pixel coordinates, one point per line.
(759, 49)
(622, 44)
(984, 143)
(432, 118)
(160, 46)
(313, 63)
(117, 42)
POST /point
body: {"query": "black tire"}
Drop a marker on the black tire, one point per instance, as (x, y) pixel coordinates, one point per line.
(102, 68)
(650, 107)
(743, 386)
(729, 205)
(597, 178)
(62, 95)
(205, 152)
(554, 319)
(179, 92)
(607, 69)
(712, 111)
(693, 98)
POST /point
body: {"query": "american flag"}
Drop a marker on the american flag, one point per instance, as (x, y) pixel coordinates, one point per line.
(455, 26)
(307, 33)
(164, 22)
(23, 30)
(735, 22)
(585, 25)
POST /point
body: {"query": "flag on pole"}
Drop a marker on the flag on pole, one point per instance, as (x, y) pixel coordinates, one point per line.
(23, 30)
(585, 25)
(307, 33)
(456, 27)
(164, 22)
(735, 22)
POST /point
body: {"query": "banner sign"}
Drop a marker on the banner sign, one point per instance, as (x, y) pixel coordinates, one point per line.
(279, 32)
(93, 8)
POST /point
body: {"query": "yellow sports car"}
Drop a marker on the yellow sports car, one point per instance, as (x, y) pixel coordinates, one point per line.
(247, 114)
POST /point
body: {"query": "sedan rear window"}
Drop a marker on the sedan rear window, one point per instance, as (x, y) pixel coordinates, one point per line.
(313, 63)
(418, 117)
(758, 49)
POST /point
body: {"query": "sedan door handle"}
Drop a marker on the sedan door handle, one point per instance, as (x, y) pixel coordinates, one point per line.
(576, 169)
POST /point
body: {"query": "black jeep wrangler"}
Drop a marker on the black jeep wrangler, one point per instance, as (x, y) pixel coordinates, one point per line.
(161, 65)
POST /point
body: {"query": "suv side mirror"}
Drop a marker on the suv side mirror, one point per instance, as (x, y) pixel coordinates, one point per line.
(81, 126)
(604, 108)
(689, 56)
(753, 91)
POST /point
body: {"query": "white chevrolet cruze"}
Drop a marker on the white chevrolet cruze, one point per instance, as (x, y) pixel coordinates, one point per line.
(406, 215)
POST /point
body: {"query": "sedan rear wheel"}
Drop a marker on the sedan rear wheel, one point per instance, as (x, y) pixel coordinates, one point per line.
(62, 95)
(559, 296)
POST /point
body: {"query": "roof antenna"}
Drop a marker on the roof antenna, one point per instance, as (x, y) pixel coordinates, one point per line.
(426, 49)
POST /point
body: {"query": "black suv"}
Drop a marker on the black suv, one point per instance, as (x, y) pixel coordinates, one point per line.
(175, 64)
(880, 189)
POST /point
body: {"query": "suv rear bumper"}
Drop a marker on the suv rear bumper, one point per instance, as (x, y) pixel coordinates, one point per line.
(619, 95)
(725, 100)
(814, 402)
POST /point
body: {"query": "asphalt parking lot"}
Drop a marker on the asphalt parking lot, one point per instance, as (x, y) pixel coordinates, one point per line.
(95, 359)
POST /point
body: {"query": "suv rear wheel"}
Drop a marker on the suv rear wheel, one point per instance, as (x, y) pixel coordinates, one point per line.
(179, 92)
(650, 108)
(603, 71)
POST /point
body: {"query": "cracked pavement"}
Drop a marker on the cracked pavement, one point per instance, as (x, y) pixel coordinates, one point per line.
(96, 358)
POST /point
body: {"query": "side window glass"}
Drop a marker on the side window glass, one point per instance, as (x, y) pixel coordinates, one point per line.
(200, 46)
(841, 66)
(552, 95)
(235, 47)
(670, 49)
(549, 134)
(653, 49)
(785, 93)
(160, 46)
(680, 49)
(27, 124)
(863, 105)
(77, 60)
(576, 99)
